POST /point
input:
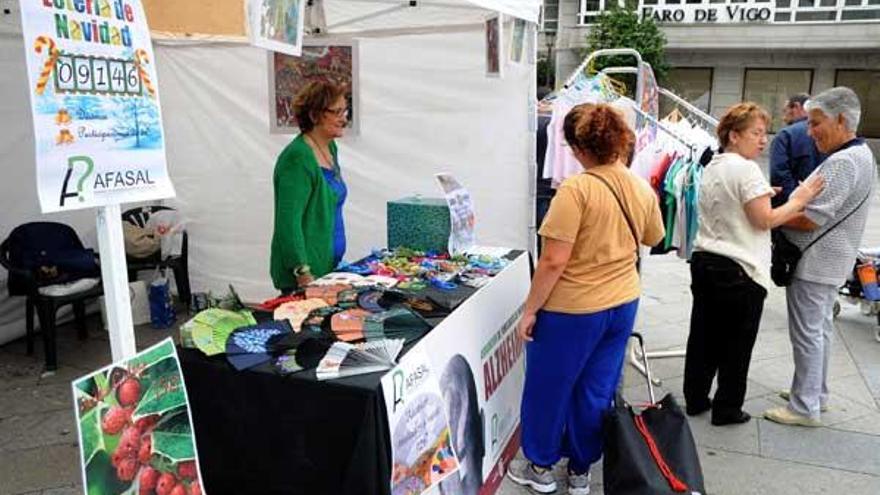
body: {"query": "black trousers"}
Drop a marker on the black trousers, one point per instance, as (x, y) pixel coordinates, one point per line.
(725, 317)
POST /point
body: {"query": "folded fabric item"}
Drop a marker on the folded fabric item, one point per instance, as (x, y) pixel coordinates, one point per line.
(397, 323)
(336, 278)
(348, 298)
(74, 287)
(297, 311)
(379, 280)
(210, 329)
(369, 300)
(329, 293)
(314, 322)
(344, 359)
(421, 305)
(348, 325)
(272, 304)
(287, 364)
(248, 346)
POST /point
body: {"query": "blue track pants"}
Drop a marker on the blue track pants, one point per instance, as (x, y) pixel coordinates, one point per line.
(572, 369)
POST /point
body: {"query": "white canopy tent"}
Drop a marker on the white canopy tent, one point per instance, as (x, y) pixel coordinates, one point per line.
(425, 106)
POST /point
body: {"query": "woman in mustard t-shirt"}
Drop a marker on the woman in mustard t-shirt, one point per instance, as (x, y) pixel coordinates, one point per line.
(582, 304)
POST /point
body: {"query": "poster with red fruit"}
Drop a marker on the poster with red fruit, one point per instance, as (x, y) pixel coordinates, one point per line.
(135, 427)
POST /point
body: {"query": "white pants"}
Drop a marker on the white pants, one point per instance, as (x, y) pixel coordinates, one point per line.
(811, 329)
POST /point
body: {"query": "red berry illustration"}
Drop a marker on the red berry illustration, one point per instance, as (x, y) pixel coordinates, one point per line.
(146, 450)
(148, 479)
(147, 423)
(179, 490)
(195, 488)
(117, 457)
(115, 419)
(130, 442)
(126, 469)
(187, 470)
(129, 392)
(166, 483)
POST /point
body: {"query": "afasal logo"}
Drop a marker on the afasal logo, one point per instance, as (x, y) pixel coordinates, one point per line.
(82, 167)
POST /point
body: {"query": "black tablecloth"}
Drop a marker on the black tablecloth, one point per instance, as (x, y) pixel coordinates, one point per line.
(261, 433)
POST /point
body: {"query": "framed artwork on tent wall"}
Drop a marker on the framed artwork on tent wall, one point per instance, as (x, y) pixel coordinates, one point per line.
(277, 24)
(334, 61)
(518, 40)
(494, 46)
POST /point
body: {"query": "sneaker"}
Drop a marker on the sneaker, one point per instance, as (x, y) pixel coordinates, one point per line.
(786, 395)
(525, 473)
(578, 484)
(784, 415)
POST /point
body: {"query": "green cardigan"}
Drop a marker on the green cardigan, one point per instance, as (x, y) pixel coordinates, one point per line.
(305, 208)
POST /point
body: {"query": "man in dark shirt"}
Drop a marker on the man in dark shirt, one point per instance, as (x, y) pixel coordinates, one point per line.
(793, 154)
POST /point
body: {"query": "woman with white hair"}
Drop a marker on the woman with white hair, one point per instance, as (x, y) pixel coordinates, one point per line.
(828, 233)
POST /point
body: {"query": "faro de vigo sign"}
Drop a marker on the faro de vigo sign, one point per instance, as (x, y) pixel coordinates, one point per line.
(750, 12)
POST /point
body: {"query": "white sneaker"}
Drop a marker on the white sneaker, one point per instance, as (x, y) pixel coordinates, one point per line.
(786, 395)
(785, 416)
(578, 484)
(525, 473)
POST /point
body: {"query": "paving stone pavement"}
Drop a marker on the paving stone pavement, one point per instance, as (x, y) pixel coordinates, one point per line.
(38, 437)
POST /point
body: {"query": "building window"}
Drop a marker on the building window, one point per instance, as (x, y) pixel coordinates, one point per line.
(866, 84)
(691, 83)
(550, 16)
(771, 88)
(589, 10)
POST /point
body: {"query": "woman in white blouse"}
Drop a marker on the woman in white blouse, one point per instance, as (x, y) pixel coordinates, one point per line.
(730, 268)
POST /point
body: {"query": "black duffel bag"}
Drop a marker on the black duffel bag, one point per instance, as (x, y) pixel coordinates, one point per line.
(652, 452)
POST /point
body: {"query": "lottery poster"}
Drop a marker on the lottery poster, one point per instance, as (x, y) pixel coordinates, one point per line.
(95, 101)
(422, 454)
(135, 427)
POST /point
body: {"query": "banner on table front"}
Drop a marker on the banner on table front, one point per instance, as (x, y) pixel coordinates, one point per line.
(421, 442)
(135, 427)
(479, 363)
(95, 101)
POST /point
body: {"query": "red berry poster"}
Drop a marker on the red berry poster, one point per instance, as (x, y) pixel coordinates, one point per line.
(135, 427)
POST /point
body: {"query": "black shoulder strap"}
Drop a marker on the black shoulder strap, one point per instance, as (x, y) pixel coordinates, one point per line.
(629, 222)
(814, 241)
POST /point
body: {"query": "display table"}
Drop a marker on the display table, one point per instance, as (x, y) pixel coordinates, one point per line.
(267, 433)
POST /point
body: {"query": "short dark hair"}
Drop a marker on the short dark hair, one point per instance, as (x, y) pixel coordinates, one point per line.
(799, 98)
(313, 99)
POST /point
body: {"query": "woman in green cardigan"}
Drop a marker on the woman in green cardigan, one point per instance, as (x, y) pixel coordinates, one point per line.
(309, 237)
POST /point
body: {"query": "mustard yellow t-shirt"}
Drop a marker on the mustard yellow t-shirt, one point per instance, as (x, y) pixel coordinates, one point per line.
(601, 272)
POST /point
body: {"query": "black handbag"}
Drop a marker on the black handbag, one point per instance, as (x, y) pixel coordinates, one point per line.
(652, 452)
(785, 255)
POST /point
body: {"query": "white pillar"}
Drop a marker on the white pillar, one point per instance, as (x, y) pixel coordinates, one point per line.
(114, 274)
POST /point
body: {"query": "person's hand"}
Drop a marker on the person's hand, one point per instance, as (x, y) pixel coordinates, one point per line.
(776, 190)
(526, 326)
(808, 189)
(304, 279)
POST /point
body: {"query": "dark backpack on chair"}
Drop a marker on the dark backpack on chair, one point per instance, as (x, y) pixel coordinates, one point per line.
(51, 251)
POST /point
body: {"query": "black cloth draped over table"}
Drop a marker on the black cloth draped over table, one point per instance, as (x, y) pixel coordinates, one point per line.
(264, 433)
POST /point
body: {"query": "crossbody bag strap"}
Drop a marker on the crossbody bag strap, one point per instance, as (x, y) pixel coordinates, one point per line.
(814, 241)
(629, 222)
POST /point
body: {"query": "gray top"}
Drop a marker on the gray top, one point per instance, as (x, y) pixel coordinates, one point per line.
(850, 174)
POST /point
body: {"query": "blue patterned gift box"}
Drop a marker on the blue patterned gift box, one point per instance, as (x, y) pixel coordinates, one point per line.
(418, 223)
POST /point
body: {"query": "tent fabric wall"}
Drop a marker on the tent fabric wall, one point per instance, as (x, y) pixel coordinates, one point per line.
(428, 109)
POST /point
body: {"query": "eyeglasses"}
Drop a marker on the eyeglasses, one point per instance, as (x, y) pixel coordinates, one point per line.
(337, 112)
